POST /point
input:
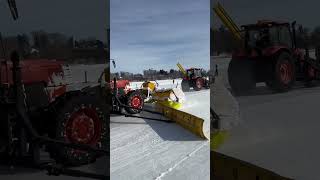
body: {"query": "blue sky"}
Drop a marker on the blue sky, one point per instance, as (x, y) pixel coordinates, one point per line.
(159, 33)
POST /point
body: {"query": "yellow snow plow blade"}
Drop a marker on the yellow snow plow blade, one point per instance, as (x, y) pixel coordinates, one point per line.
(186, 120)
(217, 138)
(172, 104)
(169, 97)
(226, 167)
(148, 85)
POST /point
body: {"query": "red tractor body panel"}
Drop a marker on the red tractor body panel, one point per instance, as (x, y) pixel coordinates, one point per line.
(266, 52)
(48, 72)
(32, 71)
(121, 84)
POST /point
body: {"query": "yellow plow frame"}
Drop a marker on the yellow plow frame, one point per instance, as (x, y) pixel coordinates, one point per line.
(226, 167)
(186, 120)
(182, 69)
(227, 21)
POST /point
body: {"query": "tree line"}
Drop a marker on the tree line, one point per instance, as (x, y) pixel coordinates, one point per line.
(151, 75)
(44, 45)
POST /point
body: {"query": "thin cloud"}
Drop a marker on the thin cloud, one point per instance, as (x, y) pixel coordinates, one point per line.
(157, 34)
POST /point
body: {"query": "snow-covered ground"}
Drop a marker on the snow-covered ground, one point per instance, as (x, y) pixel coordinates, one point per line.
(93, 72)
(277, 131)
(163, 84)
(142, 149)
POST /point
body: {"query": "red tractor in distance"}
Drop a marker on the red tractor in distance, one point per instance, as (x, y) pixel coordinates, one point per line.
(195, 78)
(268, 53)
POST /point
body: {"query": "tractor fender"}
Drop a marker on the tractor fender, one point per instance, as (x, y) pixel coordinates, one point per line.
(275, 51)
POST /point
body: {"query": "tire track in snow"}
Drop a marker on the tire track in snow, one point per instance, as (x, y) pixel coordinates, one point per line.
(181, 161)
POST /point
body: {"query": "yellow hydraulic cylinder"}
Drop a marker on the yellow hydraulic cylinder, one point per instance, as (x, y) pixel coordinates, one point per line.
(182, 69)
(227, 21)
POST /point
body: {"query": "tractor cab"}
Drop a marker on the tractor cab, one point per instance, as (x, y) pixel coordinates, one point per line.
(266, 34)
(194, 73)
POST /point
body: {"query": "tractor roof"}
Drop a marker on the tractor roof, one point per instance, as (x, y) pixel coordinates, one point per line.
(265, 23)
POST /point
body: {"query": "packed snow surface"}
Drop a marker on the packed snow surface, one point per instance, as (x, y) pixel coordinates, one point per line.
(277, 131)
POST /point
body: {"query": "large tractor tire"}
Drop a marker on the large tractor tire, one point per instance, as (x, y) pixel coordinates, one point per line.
(241, 76)
(134, 99)
(198, 84)
(283, 73)
(81, 120)
(185, 86)
(206, 83)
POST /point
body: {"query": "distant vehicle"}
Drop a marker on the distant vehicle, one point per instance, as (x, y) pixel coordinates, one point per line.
(195, 78)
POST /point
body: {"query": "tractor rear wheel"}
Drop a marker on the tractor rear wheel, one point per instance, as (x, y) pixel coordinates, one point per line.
(206, 83)
(198, 84)
(82, 120)
(185, 86)
(241, 76)
(134, 99)
(283, 73)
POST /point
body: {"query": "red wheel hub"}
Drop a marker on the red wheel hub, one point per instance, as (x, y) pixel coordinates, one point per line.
(136, 102)
(84, 127)
(286, 72)
(199, 83)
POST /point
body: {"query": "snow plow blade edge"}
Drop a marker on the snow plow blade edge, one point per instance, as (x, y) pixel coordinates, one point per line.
(226, 167)
(186, 120)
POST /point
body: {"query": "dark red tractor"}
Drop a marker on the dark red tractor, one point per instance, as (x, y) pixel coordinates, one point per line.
(270, 55)
(41, 110)
(125, 97)
(195, 78)
(38, 108)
